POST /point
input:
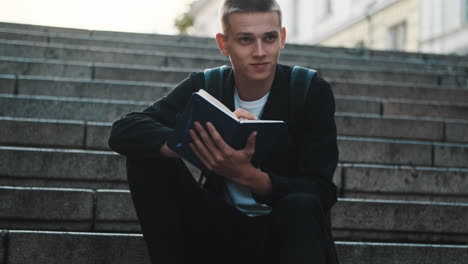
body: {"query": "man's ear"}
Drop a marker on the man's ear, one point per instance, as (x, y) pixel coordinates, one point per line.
(283, 36)
(221, 40)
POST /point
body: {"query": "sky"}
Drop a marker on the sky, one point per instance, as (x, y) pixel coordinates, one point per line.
(145, 16)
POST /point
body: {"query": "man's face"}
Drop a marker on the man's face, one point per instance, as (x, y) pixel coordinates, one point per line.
(253, 43)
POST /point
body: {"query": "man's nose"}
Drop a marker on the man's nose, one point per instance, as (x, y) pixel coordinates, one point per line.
(259, 48)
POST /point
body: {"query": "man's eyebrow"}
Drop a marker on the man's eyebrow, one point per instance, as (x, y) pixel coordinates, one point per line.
(248, 34)
(274, 32)
(239, 34)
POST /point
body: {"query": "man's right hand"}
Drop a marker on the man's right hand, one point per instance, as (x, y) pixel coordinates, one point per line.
(244, 114)
(167, 152)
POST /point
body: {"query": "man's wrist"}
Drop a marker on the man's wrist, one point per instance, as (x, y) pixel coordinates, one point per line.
(257, 181)
(167, 152)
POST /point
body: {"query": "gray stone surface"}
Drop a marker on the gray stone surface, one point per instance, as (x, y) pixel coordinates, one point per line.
(104, 55)
(46, 208)
(82, 88)
(45, 29)
(362, 150)
(62, 183)
(428, 109)
(387, 253)
(400, 221)
(390, 181)
(7, 84)
(115, 212)
(140, 73)
(451, 155)
(20, 35)
(42, 67)
(457, 131)
(380, 76)
(97, 135)
(357, 105)
(76, 248)
(374, 126)
(415, 92)
(56, 164)
(68, 109)
(42, 133)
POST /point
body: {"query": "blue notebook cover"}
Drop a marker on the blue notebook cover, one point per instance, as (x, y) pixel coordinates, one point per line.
(202, 107)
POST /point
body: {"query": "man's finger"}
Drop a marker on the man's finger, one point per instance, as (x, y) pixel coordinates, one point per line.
(218, 140)
(206, 138)
(244, 114)
(199, 155)
(200, 146)
(250, 145)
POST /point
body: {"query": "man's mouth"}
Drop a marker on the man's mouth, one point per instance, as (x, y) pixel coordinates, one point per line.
(260, 66)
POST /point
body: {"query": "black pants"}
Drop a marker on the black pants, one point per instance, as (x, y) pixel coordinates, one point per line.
(183, 223)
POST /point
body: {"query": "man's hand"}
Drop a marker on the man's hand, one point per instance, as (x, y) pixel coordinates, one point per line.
(167, 152)
(223, 160)
(243, 114)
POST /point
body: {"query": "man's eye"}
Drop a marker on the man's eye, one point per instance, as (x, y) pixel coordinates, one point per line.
(245, 40)
(270, 38)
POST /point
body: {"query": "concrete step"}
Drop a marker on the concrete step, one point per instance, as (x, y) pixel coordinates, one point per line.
(40, 247)
(83, 33)
(43, 247)
(415, 153)
(22, 166)
(90, 71)
(66, 52)
(112, 211)
(109, 110)
(413, 183)
(401, 127)
(206, 45)
(382, 220)
(83, 88)
(161, 57)
(391, 253)
(67, 108)
(84, 168)
(53, 133)
(399, 91)
(106, 71)
(142, 91)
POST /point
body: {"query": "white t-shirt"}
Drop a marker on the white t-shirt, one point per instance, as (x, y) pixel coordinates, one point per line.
(241, 197)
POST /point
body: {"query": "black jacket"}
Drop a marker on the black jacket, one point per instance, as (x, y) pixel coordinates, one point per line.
(304, 162)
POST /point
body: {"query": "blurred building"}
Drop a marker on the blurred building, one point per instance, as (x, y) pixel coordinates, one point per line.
(439, 26)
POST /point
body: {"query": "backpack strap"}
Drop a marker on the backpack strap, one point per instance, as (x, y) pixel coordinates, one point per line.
(214, 80)
(299, 89)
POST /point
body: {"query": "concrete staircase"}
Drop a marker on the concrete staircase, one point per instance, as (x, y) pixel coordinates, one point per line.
(403, 136)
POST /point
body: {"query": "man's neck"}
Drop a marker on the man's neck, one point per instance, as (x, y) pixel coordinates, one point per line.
(253, 90)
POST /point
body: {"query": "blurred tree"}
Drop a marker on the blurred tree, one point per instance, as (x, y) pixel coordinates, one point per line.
(183, 23)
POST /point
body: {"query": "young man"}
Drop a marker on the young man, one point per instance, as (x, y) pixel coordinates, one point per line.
(276, 213)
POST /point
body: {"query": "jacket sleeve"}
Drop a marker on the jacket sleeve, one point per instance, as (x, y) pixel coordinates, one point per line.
(141, 134)
(317, 149)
